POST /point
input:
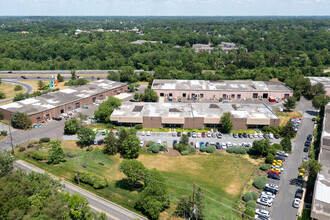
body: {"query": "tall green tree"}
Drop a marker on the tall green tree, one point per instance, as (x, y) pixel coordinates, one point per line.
(312, 167)
(73, 75)
(226, 123)
(6, 163)
(288, 130)
(320, 101)
(71, 126)
(184, 139)
(286, 144)
(290, 103)
(149, 95)
(60, 78)
(134, 170)
(106, 108)
(85, 136)
(130, 147)
(56, 153)
(184, 208)
(41, 85)
(110, 144)
(21, 121)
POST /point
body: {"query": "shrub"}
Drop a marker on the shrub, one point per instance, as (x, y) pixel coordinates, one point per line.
(39, 146)
(237, 150)
(18, 88)
(2, 95)
(255, 195)
(260, 182)
(154, 148)
(230, 150)
(91, 179)
(277, 146)
(37, 155)
(269, 158)
(247, 197)
(185, 152)
(44, 140)
(89, 148)
(265, 167)
(3, 133)
(150, 143)
(21, 149)
(250, 212)
(192, 150)
(252, 204)
(163, 147)
(209, 149)
(138, 127)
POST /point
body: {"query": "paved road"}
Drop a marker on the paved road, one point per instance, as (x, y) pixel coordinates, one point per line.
(113, 211)
(28, 87)
(282, 206)
(66, 72)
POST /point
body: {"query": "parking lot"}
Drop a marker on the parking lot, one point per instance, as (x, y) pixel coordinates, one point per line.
(167, 137)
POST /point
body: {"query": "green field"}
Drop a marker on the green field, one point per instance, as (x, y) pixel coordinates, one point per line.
(225, 176)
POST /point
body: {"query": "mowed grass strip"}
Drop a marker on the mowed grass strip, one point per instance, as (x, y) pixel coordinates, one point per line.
(8, 89)
(225, 176)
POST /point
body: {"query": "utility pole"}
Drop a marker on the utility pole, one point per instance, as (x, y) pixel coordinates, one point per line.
(11, 140)
(77, 166)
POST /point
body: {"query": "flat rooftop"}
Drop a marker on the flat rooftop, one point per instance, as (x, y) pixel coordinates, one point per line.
(324, 80)
(221, 85)
(190, 110)
(321, 200)
(52, 100)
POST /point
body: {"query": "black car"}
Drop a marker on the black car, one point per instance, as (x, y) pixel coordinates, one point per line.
(100, 141)
(272, 190)
(313, 119)
(174, 142)
(235, 135)
(133, 100)
(240, 135)
(189, 134)
(57, 118)
(299, 193)
(266, 136)
(309, 137)
(274, 176)
(217, 145)
(276, 136)
(306, 149)
(308, 144)
(117, 133)
(245, 135)
(219, 135)
(178, 134)
(207, 144)
(38, 77)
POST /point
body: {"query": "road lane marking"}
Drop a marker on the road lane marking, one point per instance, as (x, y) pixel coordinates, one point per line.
(111, 216)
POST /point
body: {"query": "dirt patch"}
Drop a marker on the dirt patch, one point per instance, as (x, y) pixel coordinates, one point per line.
(234, 187)
(286, 116)
(170, 152)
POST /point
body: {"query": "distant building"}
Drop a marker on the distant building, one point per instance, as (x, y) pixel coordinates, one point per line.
(324, 80)
(321, 195)
(145, 41)
(135, 29)
(78, 31)
(193, 115)
(228, 46)
(222, 89)
(24, 32)
(202, 47)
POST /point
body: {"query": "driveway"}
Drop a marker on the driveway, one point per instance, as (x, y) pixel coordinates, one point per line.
(282, 206)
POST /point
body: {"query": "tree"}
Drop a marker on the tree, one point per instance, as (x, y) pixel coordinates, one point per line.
(288, 130)
(286, 144)
(290, 103)
(317, 89)
(130, 147)
(55, 154)
(106, 108)
(20, 96)
(85, 136)
(21, 121)
(184, 139)
(226, 123)
(81, 117)
(2, 95)
(110, 144)
(41, 85)
(78, 206)
(6, 163)
(154, 198)
(199, 211)
(312, 167)
(149, 95)
(73, 75)
(320, 101)
(123, 135)
(18, 88)
(71, 126)
(134, 170)
(184, 208)
(60, 78)
(263, 147)
(1, 116)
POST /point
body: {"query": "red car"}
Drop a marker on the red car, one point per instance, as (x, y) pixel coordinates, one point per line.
(192, 144)
(203, 134)
(273, 172)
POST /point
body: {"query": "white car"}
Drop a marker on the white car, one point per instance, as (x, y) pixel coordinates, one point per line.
(278, 167)
(229, 144)
(159, 142)
(199, 135)
(296, 203)
(273, 186)
(255, 135)
(141, 143)
(268, 194)
(208, 134)
(223, 146)
(143, 133)
(262, 212)
(174, 134)
(248, 145)
(282, 153)
(148, 133)
(265, 202)
(305, 158)
(260, 135)
(234, 145)
(268, 197)
(271, 136)
(193, 134)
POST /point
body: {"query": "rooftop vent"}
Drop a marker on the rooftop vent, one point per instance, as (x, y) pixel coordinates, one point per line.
(137, 108)
(234, 106)
(91, 88)
(174, 110)
(213, 106)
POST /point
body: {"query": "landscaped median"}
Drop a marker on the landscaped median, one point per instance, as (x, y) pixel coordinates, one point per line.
(224, 176)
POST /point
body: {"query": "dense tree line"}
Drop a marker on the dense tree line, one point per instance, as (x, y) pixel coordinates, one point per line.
(269, 46)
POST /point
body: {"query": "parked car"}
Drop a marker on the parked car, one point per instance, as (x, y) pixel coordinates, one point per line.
(306, 149)
(276, 136)
(189, 134)
(245, 135)
(175, 142)
(260, 135)
(219, 135)
(223, 146)
(240, 135)
(207, 144)
(194, 134)
(261, 217)
(141, 143)
(148, 133)
(192, 144)
(208, 134)
(309, 137)
(271, 136)
(229, 144)
(104, 131)
(23, 77)
(95, 131)
(274, 176)
(251, 136)
(313, 119)
(173, 134)
(296, 203)
(117, 133)
(100, 141)
(262, 212)
(213, 135)
(265, 202)
(278, 167)
(308, 144)
(235, 135)
(265, 136)
(159, 142)
(255, 135)
(271, 185)
(203, 134)
(299, 193)
(197, 145)
(269, 189)
(280, 158)
(217, 145)
(199, 135)
(282, 153)
(57, 118)
(267, 194)
(133, 100)
(273, 172)
(179, 134)
(305, 158)
(202, 144)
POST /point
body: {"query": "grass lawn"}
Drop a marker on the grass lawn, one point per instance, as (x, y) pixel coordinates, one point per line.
(223, 175)
(8, 89)
(305, 215)
(286, 116)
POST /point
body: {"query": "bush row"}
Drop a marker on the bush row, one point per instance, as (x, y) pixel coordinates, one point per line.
(91, 179)
(208, 149)
(238, 150)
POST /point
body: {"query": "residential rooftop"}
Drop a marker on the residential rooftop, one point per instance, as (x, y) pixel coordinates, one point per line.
(223, 85)
(321, 200)
(324, 80)
(145, 41)
(194, 110)
(52, 100)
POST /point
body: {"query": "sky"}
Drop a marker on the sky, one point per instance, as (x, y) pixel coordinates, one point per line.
(163, 7)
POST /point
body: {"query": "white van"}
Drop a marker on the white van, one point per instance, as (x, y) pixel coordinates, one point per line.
(197, 145)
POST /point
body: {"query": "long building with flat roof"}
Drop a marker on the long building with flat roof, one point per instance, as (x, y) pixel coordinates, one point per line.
(324, 80)
(321, 196)
(193, 115)
(44, 107)
(225, 89)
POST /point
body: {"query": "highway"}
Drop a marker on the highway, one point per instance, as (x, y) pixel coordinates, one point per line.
(98, 204)
(28, 88)
(55, 72)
